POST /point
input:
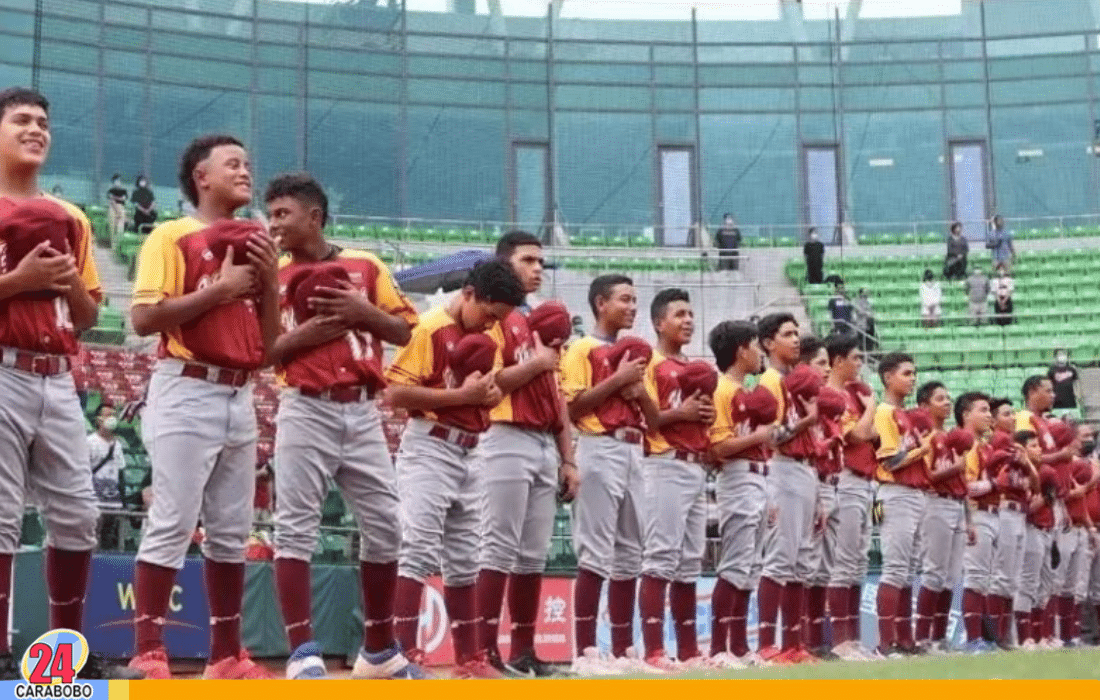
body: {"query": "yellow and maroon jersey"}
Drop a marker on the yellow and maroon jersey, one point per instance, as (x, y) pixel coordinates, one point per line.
(356, 358)
(895, 434)
(537, 404)
(423, 362)
(942, 458)
(45, 325)
(1026, 420)
(804, 445)
(584, 365)
(858, 456)
(977, 469)
(175, 261)
(732, 421)
(663, 386)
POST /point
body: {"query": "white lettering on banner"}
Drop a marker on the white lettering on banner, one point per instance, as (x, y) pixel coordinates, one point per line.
(554, 609)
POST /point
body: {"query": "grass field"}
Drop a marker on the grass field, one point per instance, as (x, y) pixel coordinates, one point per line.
(1070, 664)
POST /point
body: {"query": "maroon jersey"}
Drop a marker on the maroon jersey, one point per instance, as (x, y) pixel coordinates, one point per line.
(943, 458)
(831, 405)
(1049, 480)
(662, 382)
(356, 358)
(1079, 474)
(858, 456)
(534, 405)
(616, 412)
(915, 475)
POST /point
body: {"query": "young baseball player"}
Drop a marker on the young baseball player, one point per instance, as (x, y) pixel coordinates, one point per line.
(528, 458)
(438, 473)
(1091, 570)
(329, 425)
(217, 321)
(1004, 416)
(854, 493)
(792, 487)
(946, 525)
(1011, 528)
(1029, 600)
(740, 440)
(609, 408)
(1069, 537)
(674, 480)
(47, 297)
(1082, 479)
(902, 480)
(972, 415)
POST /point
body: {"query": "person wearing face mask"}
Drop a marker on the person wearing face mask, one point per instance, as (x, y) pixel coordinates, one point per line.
(107, 459)
(1066, 381)
(814, 252)
(145, 205)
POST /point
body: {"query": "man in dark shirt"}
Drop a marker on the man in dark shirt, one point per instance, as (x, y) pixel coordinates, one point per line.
(814, 252)
(954, 265)
(729, 244)
(840, 309)
(1064, 377)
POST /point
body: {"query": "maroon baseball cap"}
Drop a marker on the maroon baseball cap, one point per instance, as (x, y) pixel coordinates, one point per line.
(857, 389)
(551, 322)
(920, 420)
(958, 440)
(30, 223)
(232, 232)
(1062, 432)
(759, 405)
(803, 382)
(698, 376)
(831, 403)
(307, 282)
(475, 352)
(1001, 441)
(635, 346)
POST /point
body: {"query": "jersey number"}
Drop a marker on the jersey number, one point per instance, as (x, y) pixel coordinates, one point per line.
(61, 313)
(362, 345)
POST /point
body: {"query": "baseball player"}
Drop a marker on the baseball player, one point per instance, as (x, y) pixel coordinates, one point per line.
(1091, 572)
(49, 292)
(217, 317)
(1082, 479)
(528, 453)
(740, 438)
(1029, 600)
(438, 475)
(1011, 528)
(901, 477)
(329, 424)
(609, 408)
(816, 562)
(854, 494)
(674, 481)
(946, 526)
(792, 488)
(972, 415)
(1069, 536)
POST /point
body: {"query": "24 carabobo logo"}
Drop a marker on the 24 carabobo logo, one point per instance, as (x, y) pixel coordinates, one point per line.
(50, 666)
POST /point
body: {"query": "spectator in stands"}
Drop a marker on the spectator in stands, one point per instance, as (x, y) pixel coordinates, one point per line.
(1000, 243)
(864, 317)
(1003, 287)
(840, 309)
(116, 207)
(954, 265)
(729, 244)
(145, 205)
(107, 459)
(931, 298)
(1066, 381)
(977, 292)
(814, 252)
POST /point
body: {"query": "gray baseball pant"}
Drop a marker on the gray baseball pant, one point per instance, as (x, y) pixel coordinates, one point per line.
(1035, 574)
(902, 513)
(818, 560)
(1008, 557)
(1072, 546)
(742, 498)
(978, 557)
(201, 440)
(854, 496)
(792, 487)
(675, 513)
(607, 514)
(943, 533)
(318, 440)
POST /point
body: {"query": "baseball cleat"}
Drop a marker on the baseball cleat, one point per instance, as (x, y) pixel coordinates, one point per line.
(592, 663)
(975, 646)
(390, 664)
(154, 664)
(769, 653)
(659, 662)
(798, 655)
(477, 668)
(236, 668)
(825, 654)
(305, 663)
(726, 660)
(1029, 645)
(8, 670)
(527, 665)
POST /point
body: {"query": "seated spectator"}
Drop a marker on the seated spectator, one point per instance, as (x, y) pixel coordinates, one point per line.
(977, 292)
(840, 308)
(931, 298)
(1003, 287)
(954, 265)
(1066, 381)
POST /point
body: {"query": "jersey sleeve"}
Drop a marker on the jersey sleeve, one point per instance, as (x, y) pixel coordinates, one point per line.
(651, 383)
(413, 364)
(1023, 421)
(389, 298)
(888, 433)
(773, 382)
(497, 334)
(722, 427)
(973, 465)
(159, 269)
(576, 370)
(89, 275)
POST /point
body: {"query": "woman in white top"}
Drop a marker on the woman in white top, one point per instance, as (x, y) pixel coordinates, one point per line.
(931, 297)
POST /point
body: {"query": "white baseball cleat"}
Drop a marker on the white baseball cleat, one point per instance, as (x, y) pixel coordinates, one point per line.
(727, 661)
(592, 663)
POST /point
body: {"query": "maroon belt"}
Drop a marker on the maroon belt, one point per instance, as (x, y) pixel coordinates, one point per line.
(1014, 506)
(685, 456)
(45, 365)
(631, 436)
(454, 436)
(216, 375)
(760, 468)
(828, 479)
(343, 394)
(988, 507)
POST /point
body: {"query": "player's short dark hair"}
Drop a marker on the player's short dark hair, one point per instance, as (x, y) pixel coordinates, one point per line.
(514, 239)
(769, 325)
(727, 338)
(891, 361)
(1021, 437)
(838, 345)
(965, 402)
(20, 96)
(196, 152)
(995, 403)
(924, 393)
(496, 282)
(601, 288)
(808, 346)
(302, 187)
(665, 297)
(1031, 384)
